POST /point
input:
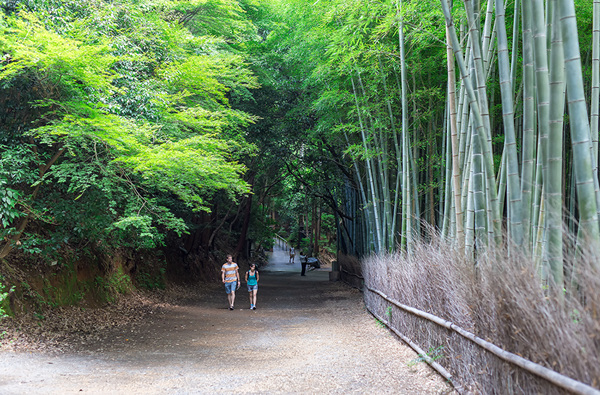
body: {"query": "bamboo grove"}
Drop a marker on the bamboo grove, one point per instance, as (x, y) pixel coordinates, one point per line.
(529, 186)
(477, 118)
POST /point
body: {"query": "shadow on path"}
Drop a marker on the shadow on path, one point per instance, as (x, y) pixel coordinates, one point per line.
(307, 335)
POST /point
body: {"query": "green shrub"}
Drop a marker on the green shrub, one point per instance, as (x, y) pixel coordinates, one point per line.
(113, 285)
(4, 305)
(151, 277)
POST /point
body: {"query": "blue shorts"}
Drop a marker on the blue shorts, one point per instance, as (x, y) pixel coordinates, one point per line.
(230, 287)
(252, 287)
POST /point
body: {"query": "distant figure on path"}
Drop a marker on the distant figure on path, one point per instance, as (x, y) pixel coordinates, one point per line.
(231, 278)
(303, 260)
(292, 254)
(252, 281)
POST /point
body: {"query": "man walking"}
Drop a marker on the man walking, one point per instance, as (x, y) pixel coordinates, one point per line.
(303, 261)
(231, 278)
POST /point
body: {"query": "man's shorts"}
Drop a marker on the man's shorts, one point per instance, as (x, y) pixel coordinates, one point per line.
(230, 287)
(252, 287)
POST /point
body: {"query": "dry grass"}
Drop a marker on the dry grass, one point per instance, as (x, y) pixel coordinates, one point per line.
(350, 267)
(502, 301)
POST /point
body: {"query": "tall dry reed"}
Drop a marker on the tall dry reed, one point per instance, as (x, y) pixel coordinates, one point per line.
(503, 300)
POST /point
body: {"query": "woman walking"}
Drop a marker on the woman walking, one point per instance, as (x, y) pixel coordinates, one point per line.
(252, 281)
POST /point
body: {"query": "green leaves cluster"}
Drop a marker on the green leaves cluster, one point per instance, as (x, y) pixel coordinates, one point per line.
(8, 202)
(123, 114)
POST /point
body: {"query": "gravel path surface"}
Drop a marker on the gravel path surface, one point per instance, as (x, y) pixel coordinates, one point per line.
(308, 335)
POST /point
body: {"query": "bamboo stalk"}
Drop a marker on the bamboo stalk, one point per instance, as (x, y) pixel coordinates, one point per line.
(470, 220)
(510, 142)
(370, 173)
(515, 43)
(488, 32)
(407, 230)
(580, 128)
(456, 174)
(501, 184)
(554, 192)
(398, 158)
(480, 75)
(595, 95)
(528, 145)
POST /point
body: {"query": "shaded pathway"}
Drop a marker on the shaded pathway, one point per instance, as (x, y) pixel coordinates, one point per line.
(308, 335)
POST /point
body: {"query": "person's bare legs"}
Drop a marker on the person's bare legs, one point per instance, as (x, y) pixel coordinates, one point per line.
(253, 297)
(231, 298)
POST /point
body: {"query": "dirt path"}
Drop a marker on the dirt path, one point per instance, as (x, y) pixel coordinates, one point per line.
(308, 335)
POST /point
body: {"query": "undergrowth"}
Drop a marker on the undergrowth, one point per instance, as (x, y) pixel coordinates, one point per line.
(502, 299)
(4, 292)
(114, 284)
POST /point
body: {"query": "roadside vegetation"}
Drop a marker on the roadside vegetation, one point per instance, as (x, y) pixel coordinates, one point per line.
(142, 141)
(502, 302)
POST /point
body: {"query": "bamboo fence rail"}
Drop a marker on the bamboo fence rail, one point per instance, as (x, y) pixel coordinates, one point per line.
(561, 381)
(439, 368)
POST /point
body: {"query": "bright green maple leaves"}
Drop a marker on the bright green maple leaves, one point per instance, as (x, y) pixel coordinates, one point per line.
(132, 77)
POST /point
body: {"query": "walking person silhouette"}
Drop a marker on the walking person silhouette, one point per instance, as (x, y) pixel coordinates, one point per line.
(252, 278)
(230, 276)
